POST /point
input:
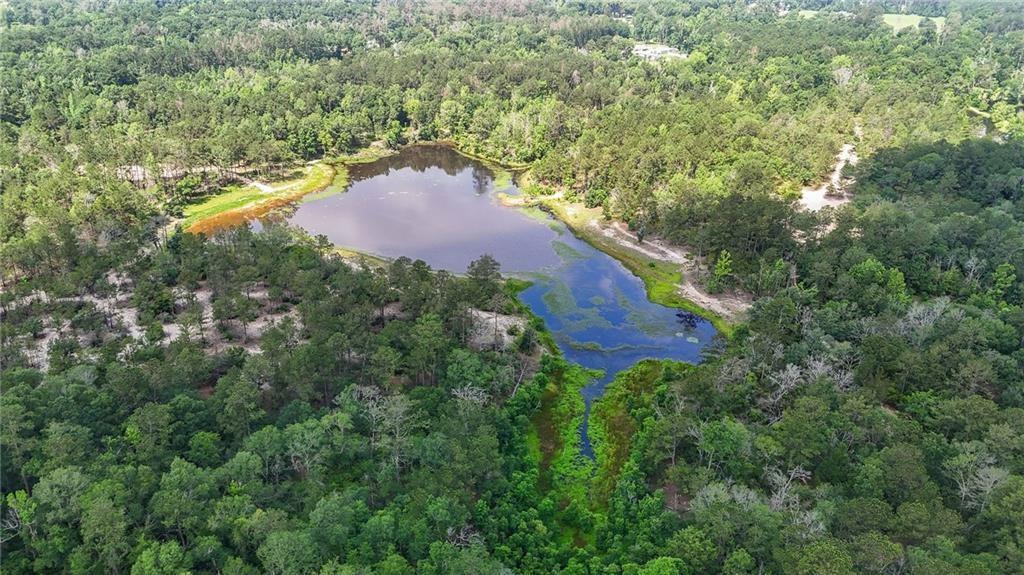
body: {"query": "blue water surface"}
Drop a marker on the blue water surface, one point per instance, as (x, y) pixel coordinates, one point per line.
(430, 203)
(600, 317)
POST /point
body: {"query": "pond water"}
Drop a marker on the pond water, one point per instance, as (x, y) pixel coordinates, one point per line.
(431, 203)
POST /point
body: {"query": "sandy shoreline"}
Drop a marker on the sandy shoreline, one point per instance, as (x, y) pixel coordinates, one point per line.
(730, 305)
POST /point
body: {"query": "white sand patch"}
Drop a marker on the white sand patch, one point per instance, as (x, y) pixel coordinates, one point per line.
(492, 330)
(654, 52)
(121, 317)
(833, 192)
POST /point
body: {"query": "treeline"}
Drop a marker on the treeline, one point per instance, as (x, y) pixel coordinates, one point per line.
(182, 86)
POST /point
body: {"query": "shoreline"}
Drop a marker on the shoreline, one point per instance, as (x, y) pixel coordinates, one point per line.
(257, 199)
(665, 281)
(209, 217)
(662, 268)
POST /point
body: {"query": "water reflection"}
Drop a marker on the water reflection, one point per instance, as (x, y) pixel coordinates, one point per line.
(431, 203)
(428, 203)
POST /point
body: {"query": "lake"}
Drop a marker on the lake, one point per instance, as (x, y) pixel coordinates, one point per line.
(431, 203)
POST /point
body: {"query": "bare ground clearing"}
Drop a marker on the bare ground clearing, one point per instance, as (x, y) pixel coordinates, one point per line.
(121, 318)
(834, 192)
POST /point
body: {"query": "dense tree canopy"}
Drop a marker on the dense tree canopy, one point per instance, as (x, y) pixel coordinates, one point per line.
(251, 403)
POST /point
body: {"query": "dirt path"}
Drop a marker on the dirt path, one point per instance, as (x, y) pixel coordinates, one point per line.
(653, 248)
(813, 199)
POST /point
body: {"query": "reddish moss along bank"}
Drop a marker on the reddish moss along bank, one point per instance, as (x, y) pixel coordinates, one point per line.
(234, 207)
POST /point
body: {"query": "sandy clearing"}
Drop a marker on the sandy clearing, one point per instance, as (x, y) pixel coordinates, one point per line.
(651, 247)
(813, 199)
(484, 335)
(121, 316)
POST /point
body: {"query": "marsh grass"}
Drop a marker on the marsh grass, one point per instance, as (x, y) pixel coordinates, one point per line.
(239, 204)
(617, 417)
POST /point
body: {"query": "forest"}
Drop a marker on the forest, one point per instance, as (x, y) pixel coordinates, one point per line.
(246, 402)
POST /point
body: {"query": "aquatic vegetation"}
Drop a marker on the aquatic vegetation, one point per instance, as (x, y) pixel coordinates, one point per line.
(502, 179)
(661, 279)
(537, 214)
(566, 252)
(561, 302)
(597, 347)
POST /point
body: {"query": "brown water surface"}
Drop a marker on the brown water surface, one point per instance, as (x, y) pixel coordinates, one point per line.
(428, 203)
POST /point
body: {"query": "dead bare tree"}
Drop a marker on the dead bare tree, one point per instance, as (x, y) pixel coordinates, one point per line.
(673, 414)
(835, 367)
(783, 382)
(842, 76)
(464, 536)
(917, 323)
(10, 526)
(471, 395)
(782, 483)
(975, 474)
(983, 483)
(397, 419)
(370, 397)
(973, 268)
(734, 370)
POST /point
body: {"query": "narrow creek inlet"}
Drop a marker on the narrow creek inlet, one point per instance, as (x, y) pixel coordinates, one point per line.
(431, 203)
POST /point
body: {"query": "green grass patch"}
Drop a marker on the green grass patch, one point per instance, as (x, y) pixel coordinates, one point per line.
(900, 21)
(232, 198)
(515, 286)
(237, 204)
(618, 416)
(567, 472)
(338, 185)
(533, 449)
(895, 21)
